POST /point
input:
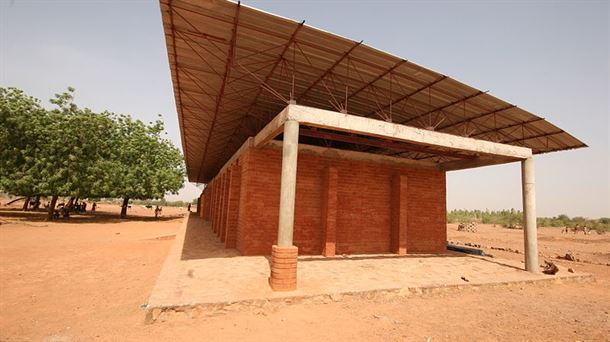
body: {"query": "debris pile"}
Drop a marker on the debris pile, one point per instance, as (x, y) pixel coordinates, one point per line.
(467, 227)
(550, 268)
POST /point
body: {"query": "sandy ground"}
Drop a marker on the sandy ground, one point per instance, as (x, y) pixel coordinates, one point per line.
(86, 279)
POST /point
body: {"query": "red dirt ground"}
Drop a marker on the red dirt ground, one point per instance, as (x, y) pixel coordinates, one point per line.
(84, 280)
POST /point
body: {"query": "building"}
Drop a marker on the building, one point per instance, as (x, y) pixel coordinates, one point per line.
(311, 143)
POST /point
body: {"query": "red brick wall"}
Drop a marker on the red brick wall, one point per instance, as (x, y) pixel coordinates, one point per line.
(364, 210)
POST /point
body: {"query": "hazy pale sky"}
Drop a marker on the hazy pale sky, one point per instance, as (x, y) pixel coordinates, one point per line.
(549, 57)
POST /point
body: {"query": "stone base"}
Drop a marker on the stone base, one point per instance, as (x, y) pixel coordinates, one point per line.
(283, 268)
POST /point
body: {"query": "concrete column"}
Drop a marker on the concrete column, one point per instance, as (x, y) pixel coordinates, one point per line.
(290, 152)
(284, 255)
(530, 231)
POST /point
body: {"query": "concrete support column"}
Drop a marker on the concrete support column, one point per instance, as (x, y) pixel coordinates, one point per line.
(288, 188)
(530, 231)
(284, 254)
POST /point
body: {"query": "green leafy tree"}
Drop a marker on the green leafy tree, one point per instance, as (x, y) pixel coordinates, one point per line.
(146, 166)
(69, 151)
(23, 126)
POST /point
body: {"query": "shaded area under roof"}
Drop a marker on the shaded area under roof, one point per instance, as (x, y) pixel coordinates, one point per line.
(234, 68)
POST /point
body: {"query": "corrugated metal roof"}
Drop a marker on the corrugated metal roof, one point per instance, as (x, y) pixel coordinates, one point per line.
(234, 67)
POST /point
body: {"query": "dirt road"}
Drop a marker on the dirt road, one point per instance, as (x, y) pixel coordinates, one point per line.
(86, 281)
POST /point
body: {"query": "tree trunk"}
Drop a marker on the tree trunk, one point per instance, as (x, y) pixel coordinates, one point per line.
(51, 209)
(70, 203)
(68, 207)
(124, 207)
(26, 203)
(37, 205)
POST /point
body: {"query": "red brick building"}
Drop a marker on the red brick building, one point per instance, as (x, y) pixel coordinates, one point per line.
(314, 144)
(343, 205)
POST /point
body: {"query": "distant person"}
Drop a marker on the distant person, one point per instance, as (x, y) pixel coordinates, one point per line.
(158, 210)
(188, 207)
(93, 206)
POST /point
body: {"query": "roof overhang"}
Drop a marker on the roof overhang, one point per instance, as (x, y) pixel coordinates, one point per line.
(234, 68)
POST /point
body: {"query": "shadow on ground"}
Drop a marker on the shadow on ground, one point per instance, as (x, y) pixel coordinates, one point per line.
(98, 217)
(200, 242)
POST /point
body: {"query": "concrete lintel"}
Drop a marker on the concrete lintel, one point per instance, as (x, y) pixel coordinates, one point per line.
(356, 124)
(355, 155)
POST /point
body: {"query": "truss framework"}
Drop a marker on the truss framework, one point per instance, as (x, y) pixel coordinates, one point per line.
(235, 68)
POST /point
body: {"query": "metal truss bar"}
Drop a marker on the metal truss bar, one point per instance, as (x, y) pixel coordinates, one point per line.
(266, 80)
(479, 116)
(406, 96)
(534, 136)
(228, 64)
(380, 76)
(453, 103)
(337, 62)
(193, 77)
(171, 23)
(498, 129)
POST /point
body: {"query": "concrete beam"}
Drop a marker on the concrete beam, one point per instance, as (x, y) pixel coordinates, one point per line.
(362, 156)
(272, 129)
(356, 124)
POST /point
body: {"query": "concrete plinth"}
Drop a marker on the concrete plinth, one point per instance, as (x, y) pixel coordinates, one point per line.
(283, 268)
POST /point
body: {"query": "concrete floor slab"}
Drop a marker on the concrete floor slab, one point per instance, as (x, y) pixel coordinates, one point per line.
(200, 276)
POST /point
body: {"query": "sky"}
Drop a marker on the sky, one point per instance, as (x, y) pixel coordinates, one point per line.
(551, 58)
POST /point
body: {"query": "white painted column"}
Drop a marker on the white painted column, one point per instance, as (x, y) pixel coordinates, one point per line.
(290, 152)
(530, 230)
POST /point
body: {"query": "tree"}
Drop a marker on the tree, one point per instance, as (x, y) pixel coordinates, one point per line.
(69, 151)
(146, 165)
(23, 127)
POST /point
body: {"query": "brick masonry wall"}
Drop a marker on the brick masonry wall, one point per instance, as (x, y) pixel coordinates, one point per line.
(364, 205)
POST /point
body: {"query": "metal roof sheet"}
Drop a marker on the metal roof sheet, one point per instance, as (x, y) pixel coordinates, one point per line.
(234, 67)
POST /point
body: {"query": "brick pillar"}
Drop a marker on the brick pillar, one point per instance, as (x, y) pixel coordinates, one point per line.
(221, 188)
(233, 207)
(225, 205)
(208, 202)
(329, 211)
(211, 205)
(399, 214)
(200, 206)
(216, 206)
(283, 268)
